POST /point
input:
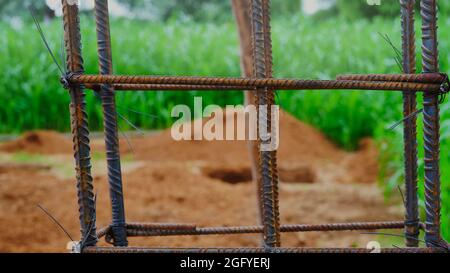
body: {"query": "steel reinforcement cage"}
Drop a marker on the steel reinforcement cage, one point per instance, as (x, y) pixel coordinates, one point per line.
(430, 83)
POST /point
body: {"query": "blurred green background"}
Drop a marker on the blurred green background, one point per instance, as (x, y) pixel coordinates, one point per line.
(311, 38)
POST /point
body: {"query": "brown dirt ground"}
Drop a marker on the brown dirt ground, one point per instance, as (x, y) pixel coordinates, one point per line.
(206, 183)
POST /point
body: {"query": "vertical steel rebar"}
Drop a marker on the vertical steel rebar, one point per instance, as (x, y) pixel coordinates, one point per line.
(410, 126)
(268, 179)
(118, 226)
(273, 126)
(431, 124)
(242, 13)
(271, 97)
(79, 125)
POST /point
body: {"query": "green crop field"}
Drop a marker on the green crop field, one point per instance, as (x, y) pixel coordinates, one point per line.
(32, 97)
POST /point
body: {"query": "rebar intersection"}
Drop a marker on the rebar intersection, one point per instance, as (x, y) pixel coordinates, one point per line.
(431, 83)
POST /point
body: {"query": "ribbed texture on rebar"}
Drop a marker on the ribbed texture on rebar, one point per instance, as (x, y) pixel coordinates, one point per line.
(408, 60)
(268, 179)
(249, 83)
(410, 126)
(110, 125)
(431, 124)
(158, 229)
(79, 125)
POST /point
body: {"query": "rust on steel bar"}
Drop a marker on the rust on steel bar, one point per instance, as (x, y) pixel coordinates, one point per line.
(248, 83)
(265, 96)
(193, 230)
(410, 127)
(167, 87)
(259, 70)
(161, 226)
(436, 78)
(79, 126)
(139, 227)
(110, 125)
(258, 250)
(143, 228)
(431, 117)
(273, 125)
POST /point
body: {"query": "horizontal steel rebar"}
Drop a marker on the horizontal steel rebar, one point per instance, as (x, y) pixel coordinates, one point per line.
(248, 83)
(162, 87)
(433, 78)
(139, 227)
(161, 226)
(258, 250)
(144, 230)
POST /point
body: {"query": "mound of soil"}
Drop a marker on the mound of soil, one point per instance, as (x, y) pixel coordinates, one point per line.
(305, 154)
(39, 142)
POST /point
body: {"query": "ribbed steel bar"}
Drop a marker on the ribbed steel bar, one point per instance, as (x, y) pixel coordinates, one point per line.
(273, 126)
(193, 230)
(118, 228)
(431, 117)
(168, 87)
(132, 229)
(436, 78)
(161, 226)
(79, 124)
(259, 71)
(259, 250)
(268, 180)
(410, 125)
(249, 83)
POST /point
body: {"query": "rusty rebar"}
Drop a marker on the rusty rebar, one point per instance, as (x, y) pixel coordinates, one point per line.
(148, 230)
(110, 125)
(249, 83)
(431, 117)
(161, 226)
(145, 229)
(260, 250)
(273, 125)
(267, 174)
(258, 61)
(165, 87)
(408, 49)
(79, 124)
(410, 124)
(188, 87)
